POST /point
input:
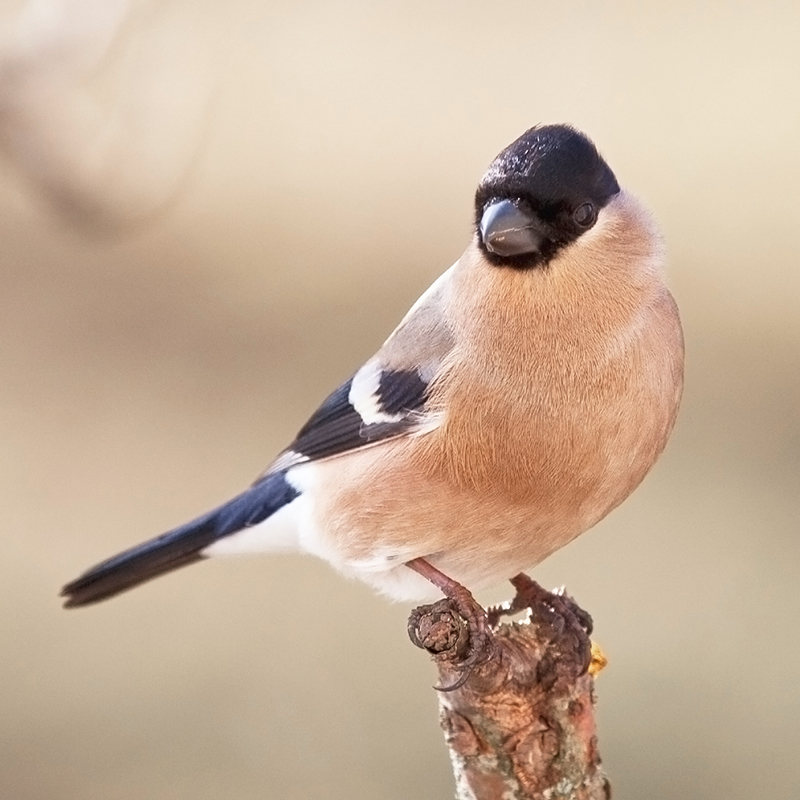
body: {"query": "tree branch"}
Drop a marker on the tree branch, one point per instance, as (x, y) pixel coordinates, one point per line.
(521, 725)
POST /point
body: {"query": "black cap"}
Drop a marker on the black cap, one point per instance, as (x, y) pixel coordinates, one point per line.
(554, 177)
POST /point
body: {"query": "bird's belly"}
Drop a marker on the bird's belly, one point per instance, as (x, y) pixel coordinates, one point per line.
(375, 510)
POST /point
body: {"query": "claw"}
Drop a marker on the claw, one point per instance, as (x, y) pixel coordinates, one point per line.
(574, 620)
(462, 679)
(465, 605)
(556, 610)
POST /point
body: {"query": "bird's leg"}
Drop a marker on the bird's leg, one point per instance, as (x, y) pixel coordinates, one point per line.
(565, 616)
(468, 609)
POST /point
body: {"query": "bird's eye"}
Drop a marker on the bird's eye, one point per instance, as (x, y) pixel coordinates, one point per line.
(585, 215)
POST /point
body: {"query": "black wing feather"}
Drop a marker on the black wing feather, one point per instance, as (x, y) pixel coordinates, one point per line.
(337, 427)
(402, 391)
(335, 407)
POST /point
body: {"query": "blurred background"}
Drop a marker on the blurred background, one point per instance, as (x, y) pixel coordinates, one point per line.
(211, 214)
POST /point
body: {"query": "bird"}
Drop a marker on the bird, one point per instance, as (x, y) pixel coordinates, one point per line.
(523, 397)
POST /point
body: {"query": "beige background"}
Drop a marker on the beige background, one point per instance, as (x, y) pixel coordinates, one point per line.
(210, 214)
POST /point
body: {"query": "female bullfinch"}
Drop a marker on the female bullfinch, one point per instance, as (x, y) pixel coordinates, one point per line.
(524, 395)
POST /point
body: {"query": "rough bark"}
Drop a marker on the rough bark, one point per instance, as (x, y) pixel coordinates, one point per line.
(521, 725)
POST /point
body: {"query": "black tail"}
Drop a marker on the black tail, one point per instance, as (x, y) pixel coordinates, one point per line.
(178, 547)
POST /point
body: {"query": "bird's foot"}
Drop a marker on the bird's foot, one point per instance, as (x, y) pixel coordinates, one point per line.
(567, 621)
(472, 649)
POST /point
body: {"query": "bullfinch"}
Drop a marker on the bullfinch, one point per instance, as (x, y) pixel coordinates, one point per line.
(523, 397)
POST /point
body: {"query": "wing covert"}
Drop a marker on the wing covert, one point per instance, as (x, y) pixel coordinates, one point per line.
(348, 420)
(387, 397)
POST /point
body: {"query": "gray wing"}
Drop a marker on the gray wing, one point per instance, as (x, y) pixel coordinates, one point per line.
(387, 397)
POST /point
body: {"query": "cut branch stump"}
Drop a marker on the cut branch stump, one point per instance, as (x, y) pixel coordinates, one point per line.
(520, 724)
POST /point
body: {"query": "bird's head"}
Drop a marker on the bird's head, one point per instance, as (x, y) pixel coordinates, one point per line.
(540, 194)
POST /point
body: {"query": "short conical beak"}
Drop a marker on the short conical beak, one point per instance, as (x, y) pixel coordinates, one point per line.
(508, 230)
